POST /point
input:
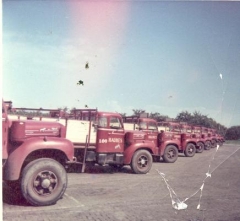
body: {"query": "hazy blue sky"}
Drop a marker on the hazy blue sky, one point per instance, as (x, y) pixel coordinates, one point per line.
(158, 56)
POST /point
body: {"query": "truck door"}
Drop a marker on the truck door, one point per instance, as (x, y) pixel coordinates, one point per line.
(153, 132)
(110, 135)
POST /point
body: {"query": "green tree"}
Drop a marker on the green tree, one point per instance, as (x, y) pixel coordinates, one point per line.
(184, 116)
(233, 133)
(201, 120)
(158, 117)
(123, 114)
(137, 112)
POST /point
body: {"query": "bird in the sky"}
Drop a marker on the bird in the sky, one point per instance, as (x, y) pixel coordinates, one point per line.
(80, 82)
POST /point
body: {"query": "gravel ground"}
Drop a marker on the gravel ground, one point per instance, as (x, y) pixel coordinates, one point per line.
(103, 193)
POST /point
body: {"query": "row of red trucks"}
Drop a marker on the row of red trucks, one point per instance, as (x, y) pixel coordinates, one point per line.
(37, 151)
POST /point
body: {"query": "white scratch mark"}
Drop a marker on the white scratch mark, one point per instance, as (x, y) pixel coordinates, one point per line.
(208, 174)
(176, 202)
(72, 198)
(181, 205)
(201, 188)
(221, 76)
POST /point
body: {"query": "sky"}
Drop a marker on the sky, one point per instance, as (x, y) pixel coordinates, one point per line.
(164, 57)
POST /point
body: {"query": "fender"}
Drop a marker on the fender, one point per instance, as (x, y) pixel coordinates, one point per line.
(129, 151)
(12, 168)
(214, 139)
(168, 142)
(201, 141)
(186, 142)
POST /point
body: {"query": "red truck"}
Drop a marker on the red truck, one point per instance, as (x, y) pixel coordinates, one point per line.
(36, 152)
(216, 139)
(34, 155)
(170, 137)
(168, 150)
(175, 134)
(208, 138)
(203, 142)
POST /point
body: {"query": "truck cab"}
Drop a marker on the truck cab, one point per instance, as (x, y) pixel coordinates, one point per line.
(109, 138)
(117, 146)
(178, 134)
(165, 147)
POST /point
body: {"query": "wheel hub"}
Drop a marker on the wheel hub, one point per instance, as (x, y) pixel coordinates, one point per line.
(45, 183)
(171, 154)
(143, 161)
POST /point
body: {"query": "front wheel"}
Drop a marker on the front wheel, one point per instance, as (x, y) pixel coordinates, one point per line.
(141, 162)
(43, 182)
(190, 150)
(170, 154)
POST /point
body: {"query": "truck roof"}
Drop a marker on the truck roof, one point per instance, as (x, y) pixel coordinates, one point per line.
(107, 114)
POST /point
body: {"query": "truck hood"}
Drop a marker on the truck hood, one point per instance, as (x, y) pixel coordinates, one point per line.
(21, 130)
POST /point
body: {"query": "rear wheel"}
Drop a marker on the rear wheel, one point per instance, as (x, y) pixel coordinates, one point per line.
(200, 147)
(207, 145)
(141, 162)
(214, 143)
(190, 150)
(170, 154)
(43, 182)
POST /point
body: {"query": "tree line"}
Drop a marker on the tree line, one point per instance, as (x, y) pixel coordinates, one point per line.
(195, 118)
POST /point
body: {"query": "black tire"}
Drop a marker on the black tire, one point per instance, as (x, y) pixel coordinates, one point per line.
(200, 147)
(214, 143)
(207, 145)
(141, 162)
(170, 154)
(190, 150)
(43, 182)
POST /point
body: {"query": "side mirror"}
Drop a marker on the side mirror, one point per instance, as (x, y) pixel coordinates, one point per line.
(95, 125)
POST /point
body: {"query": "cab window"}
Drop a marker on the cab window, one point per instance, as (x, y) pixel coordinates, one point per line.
(142, 126)
(152, 126)
(168, 128)
(115, 123)
(102, 122)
